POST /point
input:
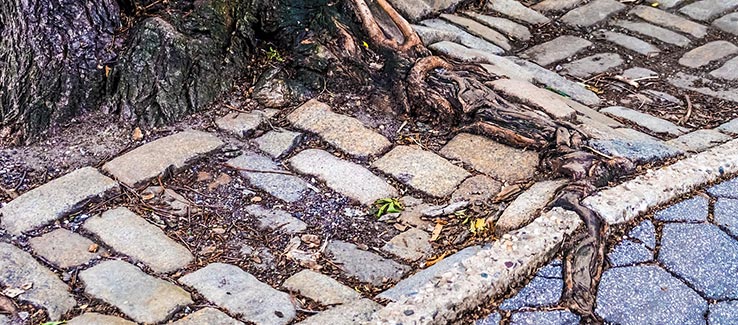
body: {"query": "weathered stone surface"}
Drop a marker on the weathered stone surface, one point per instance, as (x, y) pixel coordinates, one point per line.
(495, 317)
(358, 312)
(553, 317)
(638, 73)
(653, 31)
(730, 127)
(140, 296)
(268, 176)
(625, 201)
(412, 245)
(489, 157)
(728, 23)
(477, 29)
(556, 5)
(707, 53)
(273, 219)
(54, 200)
(704, 86)
(494, 64)
(422, 170)
(725, 312)
(628, 253)
(593, 65)
(557, 82)
(243, 124)
(726, 189)
(637, 151)
(551, 270)
(410, 285)
(241, 293)
(517, 11)
(592, 13)
(652, 123)
(342, 176)
(278, 143)
(702, 255)
(18, 269)
(418, 9)
(477, 188)
(153, 158)
(527, 205)
(699, 140)
(540, 292)
(543, 99)
(694, 209)
(708, 9)
(629, 42)
(671, 21)
(63, 248)
(508, 27)
(645, 232)
(207, 315)
(726, 215)
(647, 295)
(363, 265)
(555, 50)
(98, 319)
(132, 235)
(344, 132)
(729, 70)
(436, 30)
(320, 288)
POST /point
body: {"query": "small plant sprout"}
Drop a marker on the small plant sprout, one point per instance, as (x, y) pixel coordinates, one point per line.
(273, 55)
(388, 205)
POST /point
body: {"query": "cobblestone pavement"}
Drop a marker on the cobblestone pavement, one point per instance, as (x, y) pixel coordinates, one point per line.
(72, 259)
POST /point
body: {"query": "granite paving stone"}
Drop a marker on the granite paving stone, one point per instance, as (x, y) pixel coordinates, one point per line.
(206, 316)
(730, 127)
(726, 215)
(593, 65)
(435, 30)
(699, 140)
(98, 319)
(18, 269)
(276, 219)
(422, 170)
(506, 26)
(358, 312)
(729, 70)
(478, 188)
(278, 143)
(54, 200)
(708, 9)
(728, 23)
(638, 73)
(645, 232)
(557, 82)
(704, 256)
(694, 209)
(492, 319)
(140, 296)
(655, 32)
(668, 20)
(239, 292)
(665, 3)
(652, 123)
(411, 245)
(553, 317)
(526, 92)
(494, 159)
(365, 266)
(707, 53)
(63, 248)
(704, 86)
(494, 64)
(592, 13)
(628, 252)
(270, 177)
(418, 9)
(321, 288)
(477, 29)
(345, 177)
(153, 158)
(130, 234)
(635, 150)
(726, 189)
(556, 50)
(527, 205)
(556, 5)
(540, 292)
(723, 313)
(344, 132)
(629, 42)
(647, 295)
(243, 124)
(517, 11)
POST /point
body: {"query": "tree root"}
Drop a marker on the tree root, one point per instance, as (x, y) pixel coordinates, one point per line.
(411, 40)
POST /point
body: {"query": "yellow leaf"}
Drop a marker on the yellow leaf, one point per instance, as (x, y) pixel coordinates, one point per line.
(595, 90)
(436, 232)
(655, 4)
(365, 44)
(432, 261)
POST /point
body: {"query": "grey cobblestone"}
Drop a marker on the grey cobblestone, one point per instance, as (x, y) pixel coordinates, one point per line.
(652, 123)
(436, 30)
(206, 316)
(320, 288)
(517, 11)
(668, 20)
(557, 82)
(707, 53)
(278, 143)
(506, 26)
(243, 124)
(527, 205)
(411, 245)
(365, 266)
(730, 127)
(699, 140)
(728, 23)
(703, 86)
(729, 70)
(270, 177)
(63, 248)
(592, 13)
(545, 100)
(629, 42)
(348, 314)
(98, 319)
(422, 170)
(477, 29)
(276, 219)
(494, 64)
(556, 5)
(592, 65)
(655, 32)
(708, 9)
(556, 50)
(489, 157)
(666, 3)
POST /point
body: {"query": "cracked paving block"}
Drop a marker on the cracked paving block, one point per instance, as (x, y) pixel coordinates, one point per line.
(726, 215)
(489, 157)
(629, 252)
(270, 177)
(558, 317)
(645, 232)
(365, 266)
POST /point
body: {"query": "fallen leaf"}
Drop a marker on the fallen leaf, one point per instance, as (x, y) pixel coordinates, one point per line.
(223, 179)
(93, 248)
(137, 134)
(203, 176)
(312, 240)
(508, 192)
(256, 199)
(147, 196)
(433, 261)
(436, 232)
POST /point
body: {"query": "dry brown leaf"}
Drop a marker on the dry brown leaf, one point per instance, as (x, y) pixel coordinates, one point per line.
(433, 261)
(93, 248)
(436, 232)
(507, 192)
(137, 134)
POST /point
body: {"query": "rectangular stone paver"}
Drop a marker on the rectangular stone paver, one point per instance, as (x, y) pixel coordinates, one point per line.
(346, 133)
(243, 124)
(153, 158)
(592, 65)
(321, 288)
(666, 3)
(542, 99)
(414, 10)
(727, 23)
(556, 82)
(729, 70)
(140, 296)
(556, 5)
(272, 219)
(517, 11)
(671, 21)
(730, 127)
(704, 86)
(130, 234)
(592, 13)
(54, 200)
(629, 42)
(699, 140)
(356, 313)
(654, 124)
(436, 30)
(527, 205)
(342, 176)
(410, 245)
(479, 30)
(422, 170)
(708, 9)
(239, 292)
(98, 319)
(707, 53)
(63, 248)
(506, 26)
(278, 143)
(270, 177)
(555, 50)
(495, 64)
(654, 31)
(365, 266)
(206, 316)
(494, 159)
(18, 269)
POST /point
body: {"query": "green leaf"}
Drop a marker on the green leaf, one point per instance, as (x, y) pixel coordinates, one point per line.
(387, 205)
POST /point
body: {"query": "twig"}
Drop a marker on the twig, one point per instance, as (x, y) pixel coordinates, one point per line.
(248, 170)
(684, 119)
